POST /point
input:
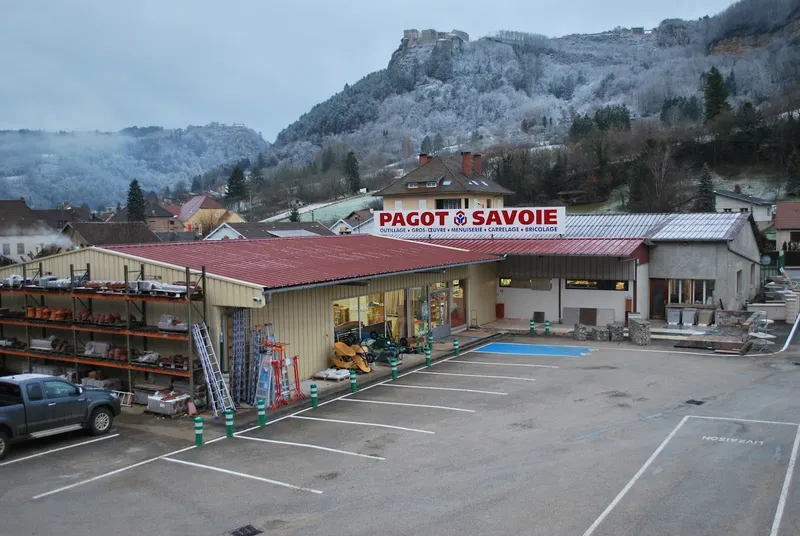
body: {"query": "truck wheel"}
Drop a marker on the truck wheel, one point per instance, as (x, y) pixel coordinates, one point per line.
(100, 421)
(5, 442)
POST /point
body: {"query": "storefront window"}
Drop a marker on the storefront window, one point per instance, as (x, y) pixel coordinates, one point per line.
(373, 314)
(419, 311)
(595, 284)
(439, 309)
(458, 310)
(345, 317)
(396, 314)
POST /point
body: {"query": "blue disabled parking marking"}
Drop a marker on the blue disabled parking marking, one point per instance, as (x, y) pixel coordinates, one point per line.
(533, 349)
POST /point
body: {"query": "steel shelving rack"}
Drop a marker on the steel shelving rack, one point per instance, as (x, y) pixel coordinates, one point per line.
(133, 300)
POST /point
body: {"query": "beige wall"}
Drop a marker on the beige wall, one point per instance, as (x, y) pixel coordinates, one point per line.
(304, 318)
(165, 225)
(207, 219)
(412, 202)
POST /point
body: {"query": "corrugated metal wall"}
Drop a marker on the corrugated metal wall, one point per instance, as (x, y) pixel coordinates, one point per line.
(528, 266)
(304, 318)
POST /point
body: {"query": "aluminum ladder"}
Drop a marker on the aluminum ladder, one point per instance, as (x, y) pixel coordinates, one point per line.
(218, 394)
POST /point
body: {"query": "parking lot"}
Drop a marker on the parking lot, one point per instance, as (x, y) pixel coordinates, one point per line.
(548, 438)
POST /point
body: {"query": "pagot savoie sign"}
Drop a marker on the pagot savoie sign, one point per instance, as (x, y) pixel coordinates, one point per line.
(509, 222)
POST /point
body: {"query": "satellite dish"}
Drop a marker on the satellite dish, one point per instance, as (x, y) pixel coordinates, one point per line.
(765, 260)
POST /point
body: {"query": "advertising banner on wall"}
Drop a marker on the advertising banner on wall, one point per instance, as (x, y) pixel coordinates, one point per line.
(508, 222)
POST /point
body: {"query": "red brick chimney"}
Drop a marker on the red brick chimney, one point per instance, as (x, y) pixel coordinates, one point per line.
(466, 163)
(476, 164)
(423, 159)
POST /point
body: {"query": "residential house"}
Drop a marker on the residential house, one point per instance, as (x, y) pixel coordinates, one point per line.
(22, 232)
(202, 214)
(444, 183)
(84, 234)
(763, 210)
(787, 225)
(178, 236)
(57, 218)
(159, 219)
(357, 222)
(268, 230)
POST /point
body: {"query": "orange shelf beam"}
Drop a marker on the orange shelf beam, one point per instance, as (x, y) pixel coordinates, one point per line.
(95, 329)
(96, 362)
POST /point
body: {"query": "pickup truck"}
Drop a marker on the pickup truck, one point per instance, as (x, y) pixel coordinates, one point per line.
(38, 405)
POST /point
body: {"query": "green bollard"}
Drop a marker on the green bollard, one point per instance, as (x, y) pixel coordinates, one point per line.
(427, 357)
(533, 327)
(229, 422)
(314, 396)
(394, 369)
(353, 386)
(262, 413)
(547, 327)
(198, 431)
(455, 346)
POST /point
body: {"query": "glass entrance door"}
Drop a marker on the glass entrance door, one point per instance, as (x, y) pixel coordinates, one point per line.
(440, 314)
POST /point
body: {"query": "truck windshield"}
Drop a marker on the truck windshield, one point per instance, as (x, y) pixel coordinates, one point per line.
(10, 394)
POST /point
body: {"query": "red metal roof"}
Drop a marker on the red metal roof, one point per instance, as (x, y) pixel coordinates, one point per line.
(290, 262)
(604, 247)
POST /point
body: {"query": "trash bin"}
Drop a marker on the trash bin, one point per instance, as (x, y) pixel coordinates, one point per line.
(500, 310)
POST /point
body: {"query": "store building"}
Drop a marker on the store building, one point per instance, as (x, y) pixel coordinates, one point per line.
(606, 265)
(310, 289)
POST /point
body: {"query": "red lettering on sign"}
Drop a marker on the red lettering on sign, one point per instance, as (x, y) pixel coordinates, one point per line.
(493, 218)
(412, 219)
(526, 217)
(441, 214)
(398, 220)
(478, 218)
(509, 216)
(427, 219)
(551, 216)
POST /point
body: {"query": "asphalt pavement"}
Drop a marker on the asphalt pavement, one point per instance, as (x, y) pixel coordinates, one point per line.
(513, 440)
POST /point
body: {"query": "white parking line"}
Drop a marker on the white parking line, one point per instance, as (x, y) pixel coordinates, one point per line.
(502, 364)
(776, 523)
(741, 420)
(476, 376)
(58, 449)
(243, 475)
(363, 424)
(444, 389)
(121, 469)
(405, 404)
(306, 445)
(633, 480)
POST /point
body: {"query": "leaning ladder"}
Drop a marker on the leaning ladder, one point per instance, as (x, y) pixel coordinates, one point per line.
(218, 394)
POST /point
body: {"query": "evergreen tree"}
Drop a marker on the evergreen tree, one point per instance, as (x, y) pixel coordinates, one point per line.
(438, 143)
(119, 207)
(705, 201)
(197, 184)
(136, 204)
(544, 121)
(257, 179)
(167, 193)
(237, 188)
(294, 215)
(716, 94)
(180, 189)
(427, 145)
(730, 83)
(351, 172)
(793, 173)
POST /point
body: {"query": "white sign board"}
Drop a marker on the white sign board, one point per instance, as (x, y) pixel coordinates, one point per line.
(509, 222)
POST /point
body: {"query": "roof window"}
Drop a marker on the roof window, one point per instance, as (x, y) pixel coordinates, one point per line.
(412, 185)
(431, 184)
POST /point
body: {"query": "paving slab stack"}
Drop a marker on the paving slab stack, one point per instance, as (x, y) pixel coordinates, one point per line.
(792, 307)
(579, 334)
(639, 331)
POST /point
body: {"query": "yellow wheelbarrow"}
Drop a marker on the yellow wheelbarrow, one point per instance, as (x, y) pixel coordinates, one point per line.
(347, 357)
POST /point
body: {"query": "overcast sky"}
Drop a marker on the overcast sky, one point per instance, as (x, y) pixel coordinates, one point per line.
(105, 65)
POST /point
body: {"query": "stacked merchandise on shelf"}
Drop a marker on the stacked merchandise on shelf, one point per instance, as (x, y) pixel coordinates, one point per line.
(239, 368)
(262, 384)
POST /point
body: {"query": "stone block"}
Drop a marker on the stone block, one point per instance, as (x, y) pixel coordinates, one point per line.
(599, 334)
(579, 334)
(639, 332)
(616, 332)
